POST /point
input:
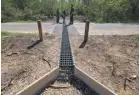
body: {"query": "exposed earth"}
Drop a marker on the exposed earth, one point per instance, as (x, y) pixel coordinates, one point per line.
(109, 60)
(74, 87)
(22, 63)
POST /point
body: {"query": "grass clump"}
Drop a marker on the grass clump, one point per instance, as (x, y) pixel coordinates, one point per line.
(6, 33)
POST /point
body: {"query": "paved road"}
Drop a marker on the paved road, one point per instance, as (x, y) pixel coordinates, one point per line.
(71, 29)
(108, 29)
(26, 27)
(77, 28)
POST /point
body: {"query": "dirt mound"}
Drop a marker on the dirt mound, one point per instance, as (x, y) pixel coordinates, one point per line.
(109, 59)
(25, 59)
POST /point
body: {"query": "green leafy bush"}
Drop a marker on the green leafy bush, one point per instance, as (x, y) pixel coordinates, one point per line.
(94, 10)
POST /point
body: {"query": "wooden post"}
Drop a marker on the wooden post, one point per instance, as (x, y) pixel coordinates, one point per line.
(86, 31)
(40, 30)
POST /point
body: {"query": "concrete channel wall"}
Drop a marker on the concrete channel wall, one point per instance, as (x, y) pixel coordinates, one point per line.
(92, 83)
(40, 83)
(36, 86)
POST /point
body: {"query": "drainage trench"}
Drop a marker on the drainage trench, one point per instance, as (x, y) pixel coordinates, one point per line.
(66, 81)
(66, 63)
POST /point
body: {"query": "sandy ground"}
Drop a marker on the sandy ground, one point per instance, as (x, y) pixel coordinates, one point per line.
(21, 66)
(109, 60)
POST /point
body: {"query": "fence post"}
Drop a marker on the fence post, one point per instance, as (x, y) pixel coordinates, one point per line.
(86, 31)
(40, 30)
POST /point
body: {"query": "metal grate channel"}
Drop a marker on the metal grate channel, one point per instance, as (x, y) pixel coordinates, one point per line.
(66, 55)
(66, 63)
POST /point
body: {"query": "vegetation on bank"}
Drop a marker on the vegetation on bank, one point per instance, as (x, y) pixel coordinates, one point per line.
(94, 10)
(136, 36)
(6, 33)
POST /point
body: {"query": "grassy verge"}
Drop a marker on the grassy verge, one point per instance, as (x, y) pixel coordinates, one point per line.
(23, 21)
(6, 33)
(136, 37)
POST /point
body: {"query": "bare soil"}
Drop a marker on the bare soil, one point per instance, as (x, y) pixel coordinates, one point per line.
(109, 60)
(74, 87)
(23, 63)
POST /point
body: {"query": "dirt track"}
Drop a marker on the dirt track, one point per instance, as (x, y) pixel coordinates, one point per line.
(109, 59)
(21, 66)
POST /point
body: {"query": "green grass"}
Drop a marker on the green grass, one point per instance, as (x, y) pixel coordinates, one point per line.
(6, 33)
(136, 37)
(23, 21)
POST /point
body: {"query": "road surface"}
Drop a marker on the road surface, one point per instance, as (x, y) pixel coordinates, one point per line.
(26, 27)
(109, 29)
(76, 29)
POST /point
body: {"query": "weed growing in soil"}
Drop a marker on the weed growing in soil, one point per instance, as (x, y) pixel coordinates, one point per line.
(6, 33)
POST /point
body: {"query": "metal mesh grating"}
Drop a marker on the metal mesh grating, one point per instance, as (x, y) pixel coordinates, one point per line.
(66, 55)
(66, 61)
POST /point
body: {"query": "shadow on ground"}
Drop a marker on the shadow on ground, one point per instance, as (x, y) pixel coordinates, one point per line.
(83, 44)
(34, 44)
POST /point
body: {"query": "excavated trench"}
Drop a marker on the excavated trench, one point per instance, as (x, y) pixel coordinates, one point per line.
(66, 83)
(67, 79)
(74, 87)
